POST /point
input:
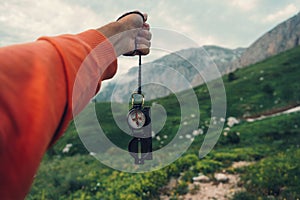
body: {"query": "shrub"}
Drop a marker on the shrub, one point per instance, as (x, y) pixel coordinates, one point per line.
(182, 188)
(185, 162)
(231, 77)
(230, 138)
(275, 175)
(243, 196)
(188, 176)
(207, 166)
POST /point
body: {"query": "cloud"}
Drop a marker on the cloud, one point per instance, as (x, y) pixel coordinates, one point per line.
(244, 5)
(226, 23)
(286, 12)
(23, 21)
(187, 18)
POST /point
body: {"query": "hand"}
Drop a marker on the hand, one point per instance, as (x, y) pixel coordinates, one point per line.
(140, 38)
(130, 35)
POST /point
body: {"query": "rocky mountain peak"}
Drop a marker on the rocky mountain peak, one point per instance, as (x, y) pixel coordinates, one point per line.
(281, 38)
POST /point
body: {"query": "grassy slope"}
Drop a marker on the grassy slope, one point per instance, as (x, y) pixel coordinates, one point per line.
(264, 87)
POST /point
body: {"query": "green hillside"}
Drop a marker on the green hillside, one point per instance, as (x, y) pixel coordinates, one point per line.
(273, 144)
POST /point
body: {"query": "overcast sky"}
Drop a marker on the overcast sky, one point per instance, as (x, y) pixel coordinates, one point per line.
(227, 23)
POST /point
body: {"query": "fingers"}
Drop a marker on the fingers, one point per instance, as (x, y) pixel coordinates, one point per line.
(142, 40)
(145, 16)
(142, 43)
(145, 34)
(134, 19)
(139, 33)
(146, 26)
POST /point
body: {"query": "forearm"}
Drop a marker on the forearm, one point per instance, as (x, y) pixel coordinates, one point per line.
(88, 58)
(32, 105)
(36, 99)
(45, 83)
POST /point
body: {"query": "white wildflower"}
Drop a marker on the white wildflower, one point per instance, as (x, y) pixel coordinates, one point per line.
(188, 136)
(153, 134)
(158, 138)
(93, 154)
(261, 78)
(231, 121)
(201, 131)
(197, 132)
(66, 149)
(69, 145)
(165, 136)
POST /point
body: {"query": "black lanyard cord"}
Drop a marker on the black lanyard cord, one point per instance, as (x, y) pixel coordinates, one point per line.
(140, 75)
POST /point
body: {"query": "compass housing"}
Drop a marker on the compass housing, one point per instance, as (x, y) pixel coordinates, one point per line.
(136, 119)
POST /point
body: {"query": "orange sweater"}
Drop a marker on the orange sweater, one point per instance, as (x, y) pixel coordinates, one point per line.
(36, 99)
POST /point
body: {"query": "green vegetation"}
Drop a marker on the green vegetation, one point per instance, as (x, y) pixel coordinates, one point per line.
(272, 144)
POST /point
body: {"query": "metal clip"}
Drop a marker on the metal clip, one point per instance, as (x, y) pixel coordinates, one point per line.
(133, 99)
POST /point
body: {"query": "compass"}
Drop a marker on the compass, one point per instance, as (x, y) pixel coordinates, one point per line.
(136, 119)
(139, 121)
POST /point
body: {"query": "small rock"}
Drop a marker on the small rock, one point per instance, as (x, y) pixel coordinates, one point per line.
(172, 183)
(240, 164)
(201, 178)
(222, 178)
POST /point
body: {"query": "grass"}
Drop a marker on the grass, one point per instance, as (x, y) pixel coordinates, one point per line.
(273, 143)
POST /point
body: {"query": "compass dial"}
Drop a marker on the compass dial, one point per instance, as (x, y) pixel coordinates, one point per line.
(136, 119)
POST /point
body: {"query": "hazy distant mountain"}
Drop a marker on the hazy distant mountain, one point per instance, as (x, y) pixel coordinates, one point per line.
(171, 68)
(281, 38)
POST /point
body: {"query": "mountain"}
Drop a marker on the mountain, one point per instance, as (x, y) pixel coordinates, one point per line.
(184, 64)
(281, 38)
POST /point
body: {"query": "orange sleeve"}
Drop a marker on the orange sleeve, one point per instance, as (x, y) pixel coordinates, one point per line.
(37, 100)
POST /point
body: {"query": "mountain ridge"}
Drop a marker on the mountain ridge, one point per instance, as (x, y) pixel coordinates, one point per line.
(182, 61)
(282, 37)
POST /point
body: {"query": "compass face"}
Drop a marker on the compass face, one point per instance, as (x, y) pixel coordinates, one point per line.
(136, 119)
